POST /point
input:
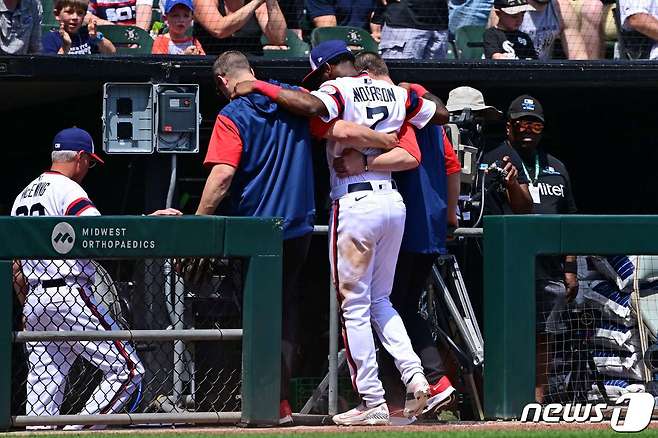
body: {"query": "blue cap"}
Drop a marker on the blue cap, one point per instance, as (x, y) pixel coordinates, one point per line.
(77, 140)
(169, 5)
(321, 55)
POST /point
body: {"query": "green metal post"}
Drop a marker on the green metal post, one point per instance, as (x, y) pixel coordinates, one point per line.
(261, 319)
(261, 350)
(511, 244)
(6, 301)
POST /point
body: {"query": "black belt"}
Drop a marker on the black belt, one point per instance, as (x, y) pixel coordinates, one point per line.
(47, 284)
(358, 187)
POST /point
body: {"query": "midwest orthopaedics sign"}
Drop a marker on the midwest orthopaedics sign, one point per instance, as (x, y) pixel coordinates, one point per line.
(112, 238)
(637, 415)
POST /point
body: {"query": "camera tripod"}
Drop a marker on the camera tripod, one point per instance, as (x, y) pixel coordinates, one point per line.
(447, 307)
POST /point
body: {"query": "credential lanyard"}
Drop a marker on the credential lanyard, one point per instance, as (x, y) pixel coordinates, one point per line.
(536, 170)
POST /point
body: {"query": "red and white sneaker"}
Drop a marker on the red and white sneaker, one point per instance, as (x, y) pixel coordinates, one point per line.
(441, 394)
(285, 413)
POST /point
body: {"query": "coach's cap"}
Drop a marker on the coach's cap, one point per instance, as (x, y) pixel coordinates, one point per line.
(513, 6)
(525, 106)
(467, 97)
(321, 55)
(75, 139)
(169, 5)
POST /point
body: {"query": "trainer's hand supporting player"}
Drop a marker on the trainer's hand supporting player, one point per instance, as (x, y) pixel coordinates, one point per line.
(350, 163)
(166, 212)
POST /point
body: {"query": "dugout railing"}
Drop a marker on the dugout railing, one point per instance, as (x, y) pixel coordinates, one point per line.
(511, 245)
(256, 241)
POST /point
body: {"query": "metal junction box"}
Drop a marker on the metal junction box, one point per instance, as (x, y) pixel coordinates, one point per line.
(140, 118)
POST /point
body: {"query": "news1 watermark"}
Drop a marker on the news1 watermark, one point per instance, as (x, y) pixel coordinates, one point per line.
(630, 413)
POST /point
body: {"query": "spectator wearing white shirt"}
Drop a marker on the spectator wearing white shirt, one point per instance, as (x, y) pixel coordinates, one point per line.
(641, 16)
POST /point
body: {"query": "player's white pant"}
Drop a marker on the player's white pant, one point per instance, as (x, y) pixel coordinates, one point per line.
(367, 229)
(73, 309)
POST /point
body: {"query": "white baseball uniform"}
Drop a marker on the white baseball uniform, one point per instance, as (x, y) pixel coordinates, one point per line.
(60, 298)
(367, 225)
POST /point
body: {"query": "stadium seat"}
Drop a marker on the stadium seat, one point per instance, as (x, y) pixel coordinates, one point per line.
(48, 16)
(356, 38)
(296, 47)
(125, 37)
(469, 42)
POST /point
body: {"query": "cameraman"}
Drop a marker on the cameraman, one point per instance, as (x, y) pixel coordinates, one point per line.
(503, 190)
(550, 187)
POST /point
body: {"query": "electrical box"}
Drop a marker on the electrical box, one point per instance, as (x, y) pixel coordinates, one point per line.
(177, 114)
(140, 118)
(128, 118)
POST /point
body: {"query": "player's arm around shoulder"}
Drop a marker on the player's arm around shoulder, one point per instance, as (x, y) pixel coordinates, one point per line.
(296, 101)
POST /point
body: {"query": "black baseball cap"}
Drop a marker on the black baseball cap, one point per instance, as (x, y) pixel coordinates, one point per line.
(513, 6)
(525, 106)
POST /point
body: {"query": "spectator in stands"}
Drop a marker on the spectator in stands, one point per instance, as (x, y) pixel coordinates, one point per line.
(550, 187)
(178, 41)
(468, 13)
(415, 30)
(329, 13)
(550, 20)
(20, 27)
(641, 16)
(505, 40)
(72, 38)
(591, 14)
(238, 24)
(122, 12)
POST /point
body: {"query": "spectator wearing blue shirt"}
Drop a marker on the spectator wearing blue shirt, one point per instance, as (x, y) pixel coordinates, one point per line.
(72, 38)
(329, 13)
(468, 13)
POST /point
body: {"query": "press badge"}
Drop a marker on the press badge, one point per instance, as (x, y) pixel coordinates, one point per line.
(534, 192)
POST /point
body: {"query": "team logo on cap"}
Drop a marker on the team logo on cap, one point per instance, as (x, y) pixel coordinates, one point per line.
(528, 105)
(58, 145)
(63, 238)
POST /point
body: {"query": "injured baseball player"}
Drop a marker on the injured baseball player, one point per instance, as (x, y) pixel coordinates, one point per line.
(367, 221)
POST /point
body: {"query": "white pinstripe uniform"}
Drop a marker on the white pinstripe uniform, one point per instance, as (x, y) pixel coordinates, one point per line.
(367, 228)
(60, 298)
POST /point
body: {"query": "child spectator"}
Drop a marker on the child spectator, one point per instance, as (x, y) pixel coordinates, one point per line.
(178, 41)
(505, 40)
(72, 38)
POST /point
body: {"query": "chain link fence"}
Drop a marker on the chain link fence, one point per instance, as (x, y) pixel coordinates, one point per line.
(144, 376)
(601, 344)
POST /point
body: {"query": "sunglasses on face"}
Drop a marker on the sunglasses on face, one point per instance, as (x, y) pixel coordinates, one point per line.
(526, 125)
(90, 159)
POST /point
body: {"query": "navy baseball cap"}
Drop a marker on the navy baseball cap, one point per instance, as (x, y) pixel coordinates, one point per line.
(171, 3)
(321, 55)
(77, 140)
(525, 106)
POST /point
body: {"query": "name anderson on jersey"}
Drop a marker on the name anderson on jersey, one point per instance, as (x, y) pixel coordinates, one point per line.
(373, 94)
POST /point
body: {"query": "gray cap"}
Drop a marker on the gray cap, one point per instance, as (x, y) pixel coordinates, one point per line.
(467, 97)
